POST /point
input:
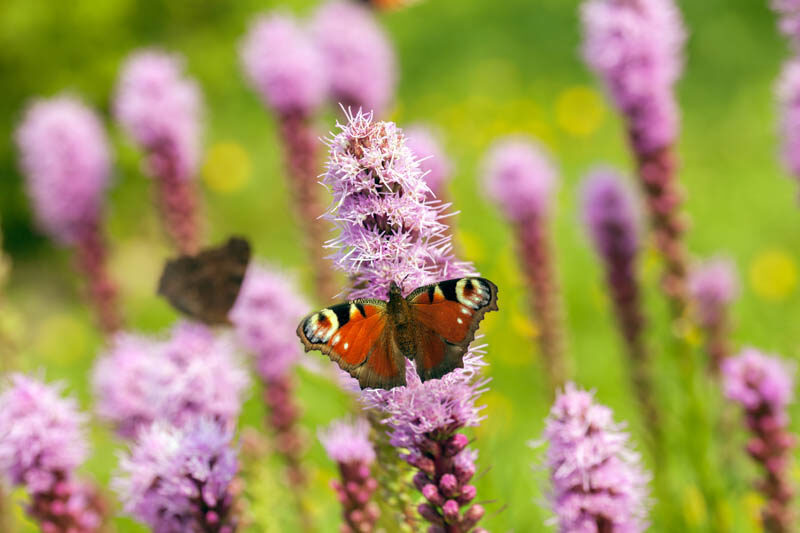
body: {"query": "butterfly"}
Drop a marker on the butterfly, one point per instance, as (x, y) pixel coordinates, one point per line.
(205, 286)
(433, 326)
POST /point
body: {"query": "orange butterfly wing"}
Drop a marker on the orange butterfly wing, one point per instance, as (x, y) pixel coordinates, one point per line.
(354, 335)
(447, 315)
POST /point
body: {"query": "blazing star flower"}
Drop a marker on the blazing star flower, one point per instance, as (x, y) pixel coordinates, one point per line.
(610, 215)
(520, 177)
(140, 380)
(789, 21)
(177, 480)
(42, 442)
(65, 158)
(788, 92)
(433, 162)
(636, 46)
(348, 444)
(283, 65)
(359, 60)
(713, 286)
(42, 434)
(161, 110)
(265, 317)
(763, 385)
(389, 232)
(598, 483)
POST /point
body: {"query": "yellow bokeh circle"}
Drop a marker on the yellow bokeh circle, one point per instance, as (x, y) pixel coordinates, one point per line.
(773, 275)
(580, 110)
(227, 167)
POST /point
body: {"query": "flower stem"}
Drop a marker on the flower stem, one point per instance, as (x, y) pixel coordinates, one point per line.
(91, 259)
(177, 199)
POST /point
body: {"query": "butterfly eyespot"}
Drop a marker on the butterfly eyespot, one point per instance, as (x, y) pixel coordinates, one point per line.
(321, 326)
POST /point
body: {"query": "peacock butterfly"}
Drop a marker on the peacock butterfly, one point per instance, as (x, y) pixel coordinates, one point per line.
(205, 286)
(432, 326)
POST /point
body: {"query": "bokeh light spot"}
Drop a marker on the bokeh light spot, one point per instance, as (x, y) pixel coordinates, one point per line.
(694, 506)
(499, 411)
(227, 167)
(63, 339)
(579, 110)
(773, 275)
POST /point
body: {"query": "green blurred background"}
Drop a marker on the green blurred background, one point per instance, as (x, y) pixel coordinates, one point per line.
(474, 70)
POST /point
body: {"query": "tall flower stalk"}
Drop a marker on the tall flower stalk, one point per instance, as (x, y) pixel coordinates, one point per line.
(347, 443)
(177, 480)
(160, 109)
(520, 178)
(713, 287)
(358, 57)
(42, 443)
(610, 216)
(763, 385)
(265, 317)
(636, 47)
(597, 481)
(388, 232)
(64, 155)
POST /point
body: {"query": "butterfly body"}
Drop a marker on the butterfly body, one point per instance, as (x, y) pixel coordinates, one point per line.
(432, 326)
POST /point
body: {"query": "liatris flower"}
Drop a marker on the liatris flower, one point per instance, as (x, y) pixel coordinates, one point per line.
(789, 13)
(763, 385)
(359, 60)
(388, 231)
(713, 287)
(42, 442)
(265, 317)
(598, 483)
(64, 155)
(177, 480)
(435, 164)
(140, 380)
(788, 92)
(610, 216)
(285, 67)
(160, 110)
(348, 444)
(636, 47)
(520, 177)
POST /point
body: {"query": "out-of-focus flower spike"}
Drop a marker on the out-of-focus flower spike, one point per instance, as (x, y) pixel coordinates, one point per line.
(713, 286)
(521, 178)
(42, 442)
(161, 110)
(597, 480)
(65, 157)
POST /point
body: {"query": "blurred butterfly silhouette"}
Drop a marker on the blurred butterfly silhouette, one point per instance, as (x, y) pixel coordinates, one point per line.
(433, 326)
(205, 286)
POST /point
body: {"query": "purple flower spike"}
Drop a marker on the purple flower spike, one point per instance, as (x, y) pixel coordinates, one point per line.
(433, 162)
(359, 60)
(636, 46)
(42, 442)
(161, 111)
(64, 155)
(283, 65)
(598, 483)
(789, 21)
(177, 480)
(348, 444)
(609, 213)
(390, 232)
(788, 92)
(265, 317)
(141, 380)
(65, 158)
(521, 178)
(763, 385)
(713, 286)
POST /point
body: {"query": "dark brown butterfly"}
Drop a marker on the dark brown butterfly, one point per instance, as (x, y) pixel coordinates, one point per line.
(433, 326)
(205, 286)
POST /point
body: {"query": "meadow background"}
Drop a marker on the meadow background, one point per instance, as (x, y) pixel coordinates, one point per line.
(474, 70)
